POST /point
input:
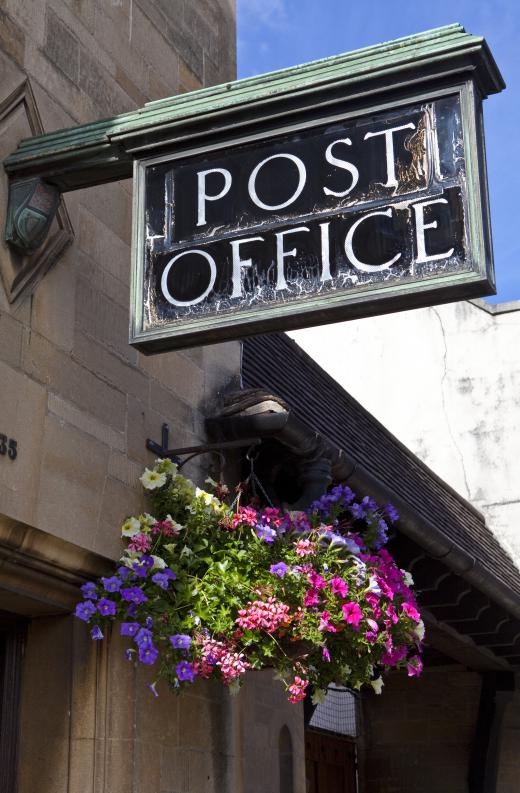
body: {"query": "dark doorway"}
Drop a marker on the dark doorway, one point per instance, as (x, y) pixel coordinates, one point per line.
(330, 763)
(12, 639)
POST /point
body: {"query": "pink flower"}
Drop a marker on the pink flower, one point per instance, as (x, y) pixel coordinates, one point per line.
(305, 547)
(414, 666)
(338, 586)
(393, 657)
(297, 689)
(311, 598)
(411, 612)
(325, 653)
(316, 581)
(352, 614)
(267, 615)
(325, 623)
(140, 542)
(245, 515)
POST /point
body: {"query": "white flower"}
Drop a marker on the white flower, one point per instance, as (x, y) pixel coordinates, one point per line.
(318, 696)
(158, 562)
(209, 481)
(147, 521)
(129, 557)
(377, 684)
(407, 578)
(207, 498)
(130, 527)
(419, 630)
(175, 526)
(152, 479)
(167, 467)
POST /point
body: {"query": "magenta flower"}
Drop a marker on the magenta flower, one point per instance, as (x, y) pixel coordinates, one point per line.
(352, 614)
(338, 586)
(325, 623)
(414, 666)
(411, 612)
(316, 580)
(311, 598)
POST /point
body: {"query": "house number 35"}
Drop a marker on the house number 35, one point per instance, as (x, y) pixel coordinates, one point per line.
(8, 446)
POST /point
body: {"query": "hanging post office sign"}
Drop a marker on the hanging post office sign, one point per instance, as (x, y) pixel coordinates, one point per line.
(340, 216)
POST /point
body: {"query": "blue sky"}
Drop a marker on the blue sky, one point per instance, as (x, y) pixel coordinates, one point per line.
(273, 34)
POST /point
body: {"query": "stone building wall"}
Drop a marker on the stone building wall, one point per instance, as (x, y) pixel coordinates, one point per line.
(80, 404)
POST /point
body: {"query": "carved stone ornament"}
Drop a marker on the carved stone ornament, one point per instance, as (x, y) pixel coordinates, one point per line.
(38, 228)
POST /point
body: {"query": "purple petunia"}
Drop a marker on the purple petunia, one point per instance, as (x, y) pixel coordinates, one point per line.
(129, 628)
(152, 687)
(144, 638)
(111, 584)
(180, 641)
(391, 512)
(85, 610)
(139, 570)
(265, 533)
(133, 595)
(96, 633)
(148, 654)
(106, 607)
(124, 572)
(279, 569)
(90, 590)
(185, 671)
(163, 578)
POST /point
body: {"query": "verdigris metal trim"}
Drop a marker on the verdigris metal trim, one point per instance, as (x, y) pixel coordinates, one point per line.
(103, 151)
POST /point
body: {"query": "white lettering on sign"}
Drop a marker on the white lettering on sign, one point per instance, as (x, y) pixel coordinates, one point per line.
(302, 178)
(325, 252)
(238, 263)
(282, 254)
(391, 179)
(421, 227)
(339, 163)
(349, 247)
(203, 196)
(164, 278)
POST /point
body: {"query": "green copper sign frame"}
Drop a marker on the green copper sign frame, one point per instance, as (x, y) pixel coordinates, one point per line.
(364, 301)
(437, 62)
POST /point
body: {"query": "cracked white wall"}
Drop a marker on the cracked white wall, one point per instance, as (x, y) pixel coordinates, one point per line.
(446, 381)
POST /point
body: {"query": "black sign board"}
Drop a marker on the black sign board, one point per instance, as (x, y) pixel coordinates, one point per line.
(350, 215)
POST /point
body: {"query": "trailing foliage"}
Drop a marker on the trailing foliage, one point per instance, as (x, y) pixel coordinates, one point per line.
(210, 590)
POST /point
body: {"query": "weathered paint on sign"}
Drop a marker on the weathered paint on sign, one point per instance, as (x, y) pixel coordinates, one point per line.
(312, 224)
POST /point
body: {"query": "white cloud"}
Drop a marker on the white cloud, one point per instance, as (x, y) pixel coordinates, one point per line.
(272, 13)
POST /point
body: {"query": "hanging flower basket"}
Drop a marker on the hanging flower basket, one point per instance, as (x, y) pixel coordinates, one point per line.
(208, 590)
